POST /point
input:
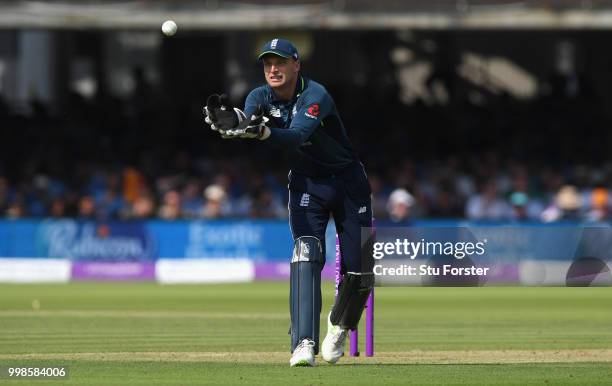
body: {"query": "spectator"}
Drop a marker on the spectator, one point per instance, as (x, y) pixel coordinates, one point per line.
(600, 205)
(566, 206)
(87, 208)
(143, 207)
(398, 206)
(109, 202)
(171, 206)
(519, 201)
(215, 202)
(133, 182)
(524, 208)
(379, 198)
(16, 208)
(191, 200)
(266, 205)
(58, 208)
(487, 205)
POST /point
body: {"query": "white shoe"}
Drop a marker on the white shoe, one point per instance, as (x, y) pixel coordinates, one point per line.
(333, 344)
(303, 355)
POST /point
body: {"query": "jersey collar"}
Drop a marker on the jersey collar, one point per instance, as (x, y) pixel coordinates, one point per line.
(300, 86)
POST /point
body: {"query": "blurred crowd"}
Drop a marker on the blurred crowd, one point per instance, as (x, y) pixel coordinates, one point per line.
(483, 188)
(129, 194)
(489, 192)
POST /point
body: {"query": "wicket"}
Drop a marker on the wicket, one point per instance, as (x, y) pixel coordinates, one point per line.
(369, 309)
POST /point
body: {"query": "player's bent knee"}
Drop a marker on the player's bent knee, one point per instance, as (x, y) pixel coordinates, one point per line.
(308, 248)
(353, 293)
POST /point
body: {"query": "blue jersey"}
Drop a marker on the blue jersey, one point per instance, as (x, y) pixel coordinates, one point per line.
(308, 125)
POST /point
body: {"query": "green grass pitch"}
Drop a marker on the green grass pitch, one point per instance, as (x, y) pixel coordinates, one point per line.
(143, 333)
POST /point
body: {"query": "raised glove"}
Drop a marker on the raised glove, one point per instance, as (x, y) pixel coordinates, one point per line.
(254, 127)
(221, 115)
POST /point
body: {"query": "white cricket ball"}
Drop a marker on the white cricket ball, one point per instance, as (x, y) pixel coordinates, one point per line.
(169, 27)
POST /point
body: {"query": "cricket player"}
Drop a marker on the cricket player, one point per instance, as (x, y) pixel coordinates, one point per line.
(296, 114)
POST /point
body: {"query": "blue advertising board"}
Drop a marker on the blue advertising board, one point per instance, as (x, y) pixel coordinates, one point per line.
(144, 241)
(261, 240)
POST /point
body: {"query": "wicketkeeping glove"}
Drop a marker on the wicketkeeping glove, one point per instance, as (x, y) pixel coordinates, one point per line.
(254, 127)
(221, 115)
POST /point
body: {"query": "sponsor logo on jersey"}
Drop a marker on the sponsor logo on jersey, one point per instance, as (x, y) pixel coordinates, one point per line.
(363, 209)
(313, 111)
(305, 200)
(293, 112)
(275, 112)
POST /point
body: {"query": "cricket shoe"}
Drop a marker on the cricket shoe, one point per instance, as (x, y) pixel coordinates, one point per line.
(333, 344)
(303, 355)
